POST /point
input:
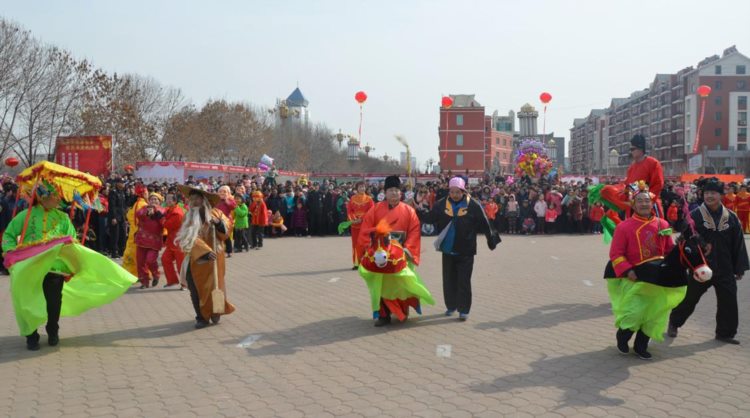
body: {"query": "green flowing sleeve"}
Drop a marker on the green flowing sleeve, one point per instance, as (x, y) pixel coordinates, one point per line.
(10, 236)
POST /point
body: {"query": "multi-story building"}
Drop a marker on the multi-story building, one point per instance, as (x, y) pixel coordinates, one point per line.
(470, 140)
(667, 113)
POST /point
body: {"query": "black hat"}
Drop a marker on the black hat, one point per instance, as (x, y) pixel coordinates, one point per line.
(392, 181)
(638, 141)
(711, 185)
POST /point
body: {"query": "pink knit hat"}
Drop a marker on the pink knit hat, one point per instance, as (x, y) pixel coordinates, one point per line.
(457, 182)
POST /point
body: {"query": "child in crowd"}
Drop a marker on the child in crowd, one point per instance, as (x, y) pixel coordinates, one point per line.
(277, 224)
(511, 213)
(550, 216)
(299, 220)
(527, 218)
(540, 209)
(597, 213)
(241, 224)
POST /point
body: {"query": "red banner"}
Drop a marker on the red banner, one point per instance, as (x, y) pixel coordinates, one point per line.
(90, 154)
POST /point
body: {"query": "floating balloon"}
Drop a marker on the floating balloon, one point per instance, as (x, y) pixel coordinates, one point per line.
(447, 102)
(262, 166)
(11, 161)
(360, 97)
(266, 160)
(545, 97)
(704, 90)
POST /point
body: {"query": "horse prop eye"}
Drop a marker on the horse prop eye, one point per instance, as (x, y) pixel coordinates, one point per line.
(688, 250)
(381, 258)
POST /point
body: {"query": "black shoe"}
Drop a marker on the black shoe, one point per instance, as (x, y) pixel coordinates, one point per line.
(215, 318)
(623, 347)
(623, 336)
(32, 341)
(154, 282)
(355, 268)
(382, 321)
(201, 324)
(143, 286)
(643, 355)
(728, 340)
(671, 331)
(53, 339)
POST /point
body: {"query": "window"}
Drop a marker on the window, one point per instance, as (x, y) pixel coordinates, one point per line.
(459, 140)
(497, 141)
(717, 132)
(717, 84)
(742, 134)
(460, 120)
(718, 100)
(741, 84)
(742, 102)
(459, 159)
(497, 154)
(740, 69)
(717, 116)
(717, 70)
(741, 147)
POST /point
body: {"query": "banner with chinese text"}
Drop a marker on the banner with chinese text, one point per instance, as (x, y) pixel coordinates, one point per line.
(90, 154)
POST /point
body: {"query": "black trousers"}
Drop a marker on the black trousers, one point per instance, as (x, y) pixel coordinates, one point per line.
(241, 240)
(726, 300)
(228, 245)
(52, 287)
(457, 271)
(641, 340)
(256, 236)
(116, 241)
(194, 296)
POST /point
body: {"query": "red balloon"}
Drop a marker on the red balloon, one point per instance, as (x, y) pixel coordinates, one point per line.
(11, 161)
(545, 97)
(360, 97)
(129, 168)
(704, 90)
(447, 101)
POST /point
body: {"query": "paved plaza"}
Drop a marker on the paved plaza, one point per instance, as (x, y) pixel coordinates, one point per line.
(539, 342)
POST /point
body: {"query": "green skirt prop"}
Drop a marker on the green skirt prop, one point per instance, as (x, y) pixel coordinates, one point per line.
(402, 285)
(95, 281)
(645, 306)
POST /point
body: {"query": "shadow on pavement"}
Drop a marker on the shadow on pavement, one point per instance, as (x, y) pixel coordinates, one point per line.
(549, 316)
(582, 377)
(331, 331)
(13, 348)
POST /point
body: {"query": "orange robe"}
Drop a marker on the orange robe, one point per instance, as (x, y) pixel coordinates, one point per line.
(650, 171)
(356, 210)
(202, 271)
(729, 201)
(742, 207)
(402, 218)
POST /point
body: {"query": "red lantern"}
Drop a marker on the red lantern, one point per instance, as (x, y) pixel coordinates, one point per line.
(129, 168)
(360, 97)
(545, 97)
(704, 90)
(11, 161)
(447, 102)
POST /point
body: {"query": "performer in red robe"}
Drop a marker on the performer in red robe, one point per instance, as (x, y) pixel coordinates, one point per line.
(148, 240)
(640, 306)
(646, 168)
(729, 200)
(404, 224)
(173, 256)
(356, 209)
(742, 207)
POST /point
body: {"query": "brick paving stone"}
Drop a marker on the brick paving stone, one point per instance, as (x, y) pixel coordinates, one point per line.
(538, 343)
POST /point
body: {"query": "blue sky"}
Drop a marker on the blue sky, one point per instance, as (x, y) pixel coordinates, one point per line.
(404, 54)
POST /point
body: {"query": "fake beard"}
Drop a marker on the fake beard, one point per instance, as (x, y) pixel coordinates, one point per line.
(189, 230)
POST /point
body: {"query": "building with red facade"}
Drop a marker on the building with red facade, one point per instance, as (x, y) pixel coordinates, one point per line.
(469, 140)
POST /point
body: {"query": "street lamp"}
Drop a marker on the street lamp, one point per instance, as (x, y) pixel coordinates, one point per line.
(339, 137)
(368, 148)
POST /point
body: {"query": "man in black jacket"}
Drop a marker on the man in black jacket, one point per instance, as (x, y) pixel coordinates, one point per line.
(116, 219)
(728, 259)
(458, 217)
(315, 206)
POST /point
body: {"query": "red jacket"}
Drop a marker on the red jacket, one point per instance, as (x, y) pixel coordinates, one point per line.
(637, 241)
(173, 218)
(596, 213)
(150, 228)
(259, 213)
(672, 213)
